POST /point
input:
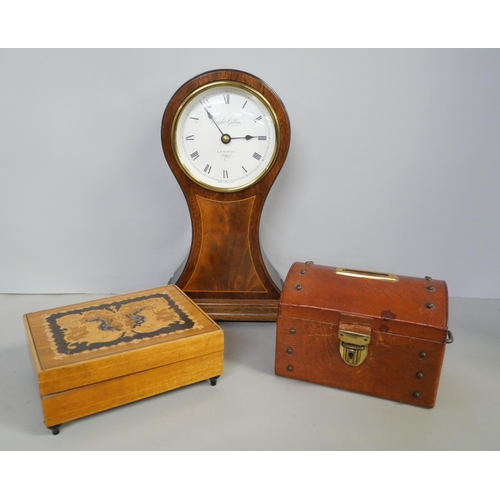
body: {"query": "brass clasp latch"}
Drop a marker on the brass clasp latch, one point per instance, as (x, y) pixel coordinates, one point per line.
(354, 339)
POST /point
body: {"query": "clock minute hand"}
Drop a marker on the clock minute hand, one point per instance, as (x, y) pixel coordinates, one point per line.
(210, 117)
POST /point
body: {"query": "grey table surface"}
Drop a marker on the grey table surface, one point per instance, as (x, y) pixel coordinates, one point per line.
(253, 409)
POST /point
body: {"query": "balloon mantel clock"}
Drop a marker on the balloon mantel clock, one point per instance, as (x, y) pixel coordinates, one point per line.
(225, 135)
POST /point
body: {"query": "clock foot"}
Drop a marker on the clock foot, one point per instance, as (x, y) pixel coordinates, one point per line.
(239, 309)
(213, 380)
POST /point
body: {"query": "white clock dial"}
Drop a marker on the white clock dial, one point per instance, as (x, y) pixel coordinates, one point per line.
(225, 136)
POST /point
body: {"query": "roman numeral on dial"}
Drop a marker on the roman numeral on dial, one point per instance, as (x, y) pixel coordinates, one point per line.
(225, 175)
(195, 155)
(226, 98)
(189, 137)
(207, 169)
(257, 156)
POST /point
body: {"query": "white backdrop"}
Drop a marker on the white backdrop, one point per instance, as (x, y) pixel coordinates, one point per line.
(393, 165)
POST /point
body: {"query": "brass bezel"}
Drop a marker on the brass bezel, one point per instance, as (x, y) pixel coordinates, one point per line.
(193, 95)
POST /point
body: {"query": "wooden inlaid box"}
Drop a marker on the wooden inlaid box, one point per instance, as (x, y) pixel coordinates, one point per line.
(105, 353)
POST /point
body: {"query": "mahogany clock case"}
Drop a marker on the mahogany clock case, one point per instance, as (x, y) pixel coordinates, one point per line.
(226, 272)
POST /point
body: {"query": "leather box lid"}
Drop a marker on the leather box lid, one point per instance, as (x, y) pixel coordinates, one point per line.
(82, 344)
(319, 293)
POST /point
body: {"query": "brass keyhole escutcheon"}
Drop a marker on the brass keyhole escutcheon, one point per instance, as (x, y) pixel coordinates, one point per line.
(353, 347)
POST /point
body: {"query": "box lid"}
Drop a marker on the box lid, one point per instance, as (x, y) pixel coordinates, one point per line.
(81, 344)
(403, 304)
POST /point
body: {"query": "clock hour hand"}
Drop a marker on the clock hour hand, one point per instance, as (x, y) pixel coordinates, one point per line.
(248, 137)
